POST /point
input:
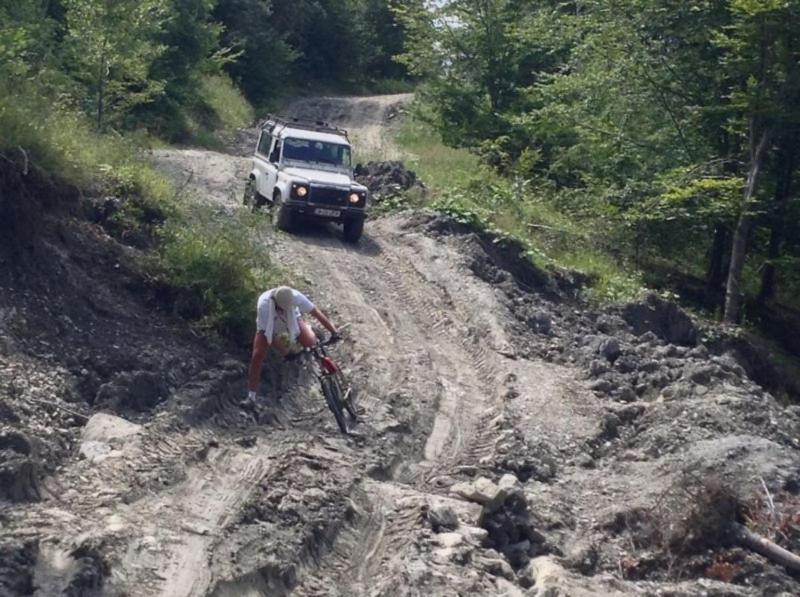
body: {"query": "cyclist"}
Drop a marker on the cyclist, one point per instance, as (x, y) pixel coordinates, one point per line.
(279, 324)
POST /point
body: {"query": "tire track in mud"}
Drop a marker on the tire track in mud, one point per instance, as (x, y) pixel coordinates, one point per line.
(207, 502)
(419, 314)
(431, 357)
(447, 349)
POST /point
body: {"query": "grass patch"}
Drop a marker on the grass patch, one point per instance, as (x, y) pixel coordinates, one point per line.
(438, 166)
(212, 119)
(472, 193)
(61, 141)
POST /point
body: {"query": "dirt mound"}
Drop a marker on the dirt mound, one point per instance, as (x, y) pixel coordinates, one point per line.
(387, 179)
(78, 328)
(663, 318)
(677, 399)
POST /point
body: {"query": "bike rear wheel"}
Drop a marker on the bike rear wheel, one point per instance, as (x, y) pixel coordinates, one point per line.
(348, 394)
(333, 396)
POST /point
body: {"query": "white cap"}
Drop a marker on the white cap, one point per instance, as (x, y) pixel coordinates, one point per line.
(283, 297)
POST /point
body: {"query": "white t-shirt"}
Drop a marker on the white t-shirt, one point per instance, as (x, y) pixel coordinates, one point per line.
(279, 322)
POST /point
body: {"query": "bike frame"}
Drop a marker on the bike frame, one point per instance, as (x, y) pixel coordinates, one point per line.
(334, 387)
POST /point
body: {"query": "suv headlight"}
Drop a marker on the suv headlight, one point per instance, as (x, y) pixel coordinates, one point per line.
(357, 198)
(299, 191)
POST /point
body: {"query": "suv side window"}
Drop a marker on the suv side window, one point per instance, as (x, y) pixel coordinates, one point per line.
(264, 142)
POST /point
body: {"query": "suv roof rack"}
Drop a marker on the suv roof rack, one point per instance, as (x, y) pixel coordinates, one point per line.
(317, 126)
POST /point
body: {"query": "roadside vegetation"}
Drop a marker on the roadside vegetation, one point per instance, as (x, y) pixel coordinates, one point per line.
(472, 192)
(86, 88)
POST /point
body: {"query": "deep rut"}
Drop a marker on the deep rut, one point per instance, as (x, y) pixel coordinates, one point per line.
(429, 334)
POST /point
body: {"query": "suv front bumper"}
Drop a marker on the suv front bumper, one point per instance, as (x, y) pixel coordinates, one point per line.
(325, 211)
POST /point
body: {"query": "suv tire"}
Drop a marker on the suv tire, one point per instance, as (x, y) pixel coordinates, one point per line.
(353, 229)
(282, 217)
(251, 196)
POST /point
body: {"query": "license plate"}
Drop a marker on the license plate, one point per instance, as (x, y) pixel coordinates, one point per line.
(330, 213)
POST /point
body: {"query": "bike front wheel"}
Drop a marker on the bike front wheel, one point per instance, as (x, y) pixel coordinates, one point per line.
(333, 396)
(348, 394)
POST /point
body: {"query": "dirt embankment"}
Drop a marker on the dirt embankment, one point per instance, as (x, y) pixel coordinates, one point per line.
(515, 441)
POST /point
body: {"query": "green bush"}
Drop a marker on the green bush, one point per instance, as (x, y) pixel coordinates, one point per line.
(529, 212)
(218, 267)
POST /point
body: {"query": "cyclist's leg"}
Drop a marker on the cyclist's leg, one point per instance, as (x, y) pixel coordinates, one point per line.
(307, 337)
(260, 348)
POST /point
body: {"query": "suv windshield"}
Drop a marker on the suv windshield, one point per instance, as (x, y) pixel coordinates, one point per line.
(320, 152)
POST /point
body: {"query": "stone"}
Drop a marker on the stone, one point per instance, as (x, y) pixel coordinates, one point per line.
(467, 513)
(701, 374)
(494, 563)
(93, 451)
(314, 494)
(609, 324)
(103, 427)
(475, 535)
(442, 517)
(603, 386)
(597, 367)
(627, 394)
(610, 349)
(508, 482)
(449, 539)
(482, 491)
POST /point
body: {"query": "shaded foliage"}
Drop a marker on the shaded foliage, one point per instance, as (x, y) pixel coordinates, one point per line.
(671, 124)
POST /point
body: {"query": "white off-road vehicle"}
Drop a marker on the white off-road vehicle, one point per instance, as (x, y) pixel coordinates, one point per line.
(304, 170)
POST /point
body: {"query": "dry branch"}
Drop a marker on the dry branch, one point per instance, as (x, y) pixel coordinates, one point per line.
(59, 407)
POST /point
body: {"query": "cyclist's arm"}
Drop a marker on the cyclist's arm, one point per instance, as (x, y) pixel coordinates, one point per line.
(320, 316)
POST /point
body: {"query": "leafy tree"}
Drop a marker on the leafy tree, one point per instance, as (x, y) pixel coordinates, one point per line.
(27, 38)
(191, 41)
(111, 47)
(265, 58)
(763, 51)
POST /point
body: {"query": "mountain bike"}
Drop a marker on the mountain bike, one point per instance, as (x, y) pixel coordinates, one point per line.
(339, 394)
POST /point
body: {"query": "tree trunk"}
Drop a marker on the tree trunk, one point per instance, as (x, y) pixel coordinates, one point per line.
(101, 80)
(743, 226)
(783, 191)
(717, 264)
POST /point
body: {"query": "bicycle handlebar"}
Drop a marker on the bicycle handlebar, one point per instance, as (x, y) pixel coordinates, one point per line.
(332, 339)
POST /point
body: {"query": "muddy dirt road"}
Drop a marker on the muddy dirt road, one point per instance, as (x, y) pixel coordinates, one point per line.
(514, 442)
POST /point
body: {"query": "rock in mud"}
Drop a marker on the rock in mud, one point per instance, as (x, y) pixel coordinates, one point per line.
(103, 434)
(449, 514)
(138, 391)
(17, 561)
(442, 518)
(610, 349)
(19, 467)
(485, 492)
(663, 318)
